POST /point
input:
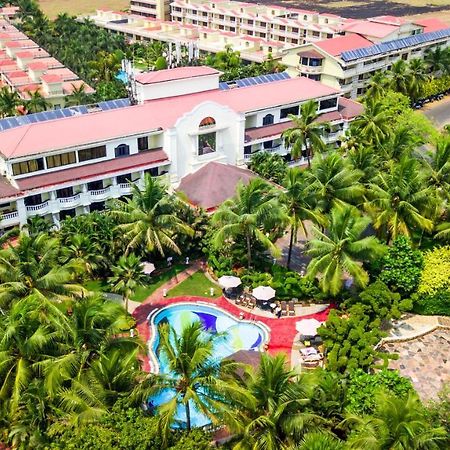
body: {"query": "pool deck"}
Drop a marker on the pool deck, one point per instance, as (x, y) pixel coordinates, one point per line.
(282, 331)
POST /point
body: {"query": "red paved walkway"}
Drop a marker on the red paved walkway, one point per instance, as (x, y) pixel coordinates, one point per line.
(282, 330)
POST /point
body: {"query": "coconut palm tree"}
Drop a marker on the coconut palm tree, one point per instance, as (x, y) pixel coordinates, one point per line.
(276, 418)
(321, 441)
(418, 75)
(332, 181)
(249, 216)
(195, 376)
(298, 201)
(78, 96)
(128, 274)
(397, 423)
(31, 267)
(437, 166)
(37, 102)
(342, 250)
(400, 77)
(306, 133)
(373, 125)
(437, 60)
(400, 202)
(9, 101)
(148, 220)
(366, 161)
(377, 86)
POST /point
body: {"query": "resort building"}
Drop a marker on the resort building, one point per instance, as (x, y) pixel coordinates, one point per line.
(348, 62)
(185, 119)
(27, 68)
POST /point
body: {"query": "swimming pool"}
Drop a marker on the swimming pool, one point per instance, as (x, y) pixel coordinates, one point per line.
(240, 335)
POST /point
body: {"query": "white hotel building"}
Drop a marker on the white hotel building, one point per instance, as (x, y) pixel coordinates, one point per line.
(68, 166)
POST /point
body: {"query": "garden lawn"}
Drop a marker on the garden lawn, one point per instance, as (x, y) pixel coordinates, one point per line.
(195, 285)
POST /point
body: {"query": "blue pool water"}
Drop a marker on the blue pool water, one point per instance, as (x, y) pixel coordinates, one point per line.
(122, 76)
(239, 335)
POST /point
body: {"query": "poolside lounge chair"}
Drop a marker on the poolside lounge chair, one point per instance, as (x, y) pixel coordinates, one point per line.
(284, 309)
(291, 306)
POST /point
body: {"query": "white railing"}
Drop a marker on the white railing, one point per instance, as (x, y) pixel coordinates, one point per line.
(247, 156)
(40, 207)
(9, 216)
(99, 192)
(69, 200)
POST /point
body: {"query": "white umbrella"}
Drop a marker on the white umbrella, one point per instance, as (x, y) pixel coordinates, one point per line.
(148, 267)
(308, 327)
(263, 293)
(228, 281)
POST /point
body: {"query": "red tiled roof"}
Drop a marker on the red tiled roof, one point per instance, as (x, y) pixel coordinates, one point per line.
(25, 54)
(388, 20)
(51, 78)
(310, 54)
(213, 183)
(335, 46)
(156, 114)
(7, 189)
(179, 73)
(253, 134)
(372, 29)
(92, 170)
(38, 65)
(431, 24)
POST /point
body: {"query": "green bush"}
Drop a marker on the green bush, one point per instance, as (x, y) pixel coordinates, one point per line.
(431, 305)
(362, 387)
(435, 276)
(161, 63)
(436, 86)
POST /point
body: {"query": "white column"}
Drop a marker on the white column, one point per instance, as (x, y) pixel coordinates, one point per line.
(22, 211)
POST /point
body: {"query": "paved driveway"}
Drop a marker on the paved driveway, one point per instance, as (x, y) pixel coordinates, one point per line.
(439, 112)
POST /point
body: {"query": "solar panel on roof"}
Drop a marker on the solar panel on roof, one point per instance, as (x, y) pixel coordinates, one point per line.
(396, 44)
(224, 86)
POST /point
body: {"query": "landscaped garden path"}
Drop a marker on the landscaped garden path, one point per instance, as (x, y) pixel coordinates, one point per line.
(283, 330)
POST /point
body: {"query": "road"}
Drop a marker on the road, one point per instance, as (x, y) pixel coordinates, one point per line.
(438, 112)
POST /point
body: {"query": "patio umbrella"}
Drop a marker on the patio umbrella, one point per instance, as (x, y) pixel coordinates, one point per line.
(148, 267)
(228, 281)
(308, 327)
(263, 293)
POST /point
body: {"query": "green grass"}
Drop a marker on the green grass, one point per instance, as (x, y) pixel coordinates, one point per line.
(142, 292)
(196, 285)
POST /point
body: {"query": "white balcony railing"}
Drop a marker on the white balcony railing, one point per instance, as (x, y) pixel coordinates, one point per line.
(125, 188)
(100, 193)
(8, 219)
(38, 208)
(69, 201)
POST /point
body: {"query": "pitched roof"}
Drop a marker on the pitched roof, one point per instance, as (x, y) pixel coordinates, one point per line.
(7, 189)
(388, 20)
(154, 115)
(431, 24)
(178, 73)
(335, 46)
(214, 183)
(372, 29)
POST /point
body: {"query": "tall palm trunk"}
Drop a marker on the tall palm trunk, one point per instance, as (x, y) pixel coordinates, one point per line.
(249, 251)
(125, 299)
(308, 153)
(291, 244)
(188, 416)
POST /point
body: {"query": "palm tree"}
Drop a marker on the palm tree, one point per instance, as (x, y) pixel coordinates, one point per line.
(374, 124)
(332, 181)
(195, 376)
(400, 201)
(298, 201)
(366, 161)
(148, 220)
(396, 423)
(321, 441)
(418, 76)
(276, 417)
(400, 145)
(128, 274)
(78, 96)
(342, 250)
(31, 267)
(36, 102)
(250, 216)
(306, 133)
(437, 60)
(9, 101)
(377, 86)
(437, 166)
(400, 77)
(106, 66)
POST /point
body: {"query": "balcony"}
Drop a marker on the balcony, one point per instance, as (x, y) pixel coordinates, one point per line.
(99, 194)
(9, 219)
(126, 188)
(69, 202)
(310, 69)
(40, 209)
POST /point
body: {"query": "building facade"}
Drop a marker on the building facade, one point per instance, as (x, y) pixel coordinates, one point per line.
(348, 62)
(186, 119)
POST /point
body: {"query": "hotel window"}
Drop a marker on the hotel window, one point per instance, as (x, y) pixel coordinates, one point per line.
(122, 179)
(286, 111)
(329, 103)
(33, 200)
(122, 150)
(282, 28)
(268, 119)
(206, 142)
(267, 145)
(33, 165)
(64, 193)
(315, 33)
(142, 143)
(295, 30)
(92, 153)
(60, 160)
